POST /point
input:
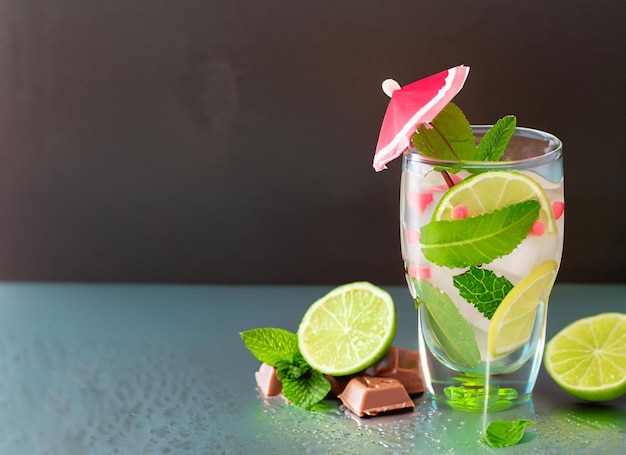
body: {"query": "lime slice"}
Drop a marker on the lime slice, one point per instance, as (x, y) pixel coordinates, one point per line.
(493, 190)
(348, 329)
(512, 323)
(588, 357)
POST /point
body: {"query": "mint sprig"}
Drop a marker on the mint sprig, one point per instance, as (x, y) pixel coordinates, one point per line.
(483, 289)
(506, 433)
(450, 137)
(302, 385)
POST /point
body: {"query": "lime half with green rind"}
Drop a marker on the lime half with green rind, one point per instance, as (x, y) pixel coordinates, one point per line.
(588, 357)
(348, 330)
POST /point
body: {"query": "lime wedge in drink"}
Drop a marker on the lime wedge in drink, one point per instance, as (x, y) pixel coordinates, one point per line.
(512, 323)
(588, 357)
(493, 190)
(348, 329)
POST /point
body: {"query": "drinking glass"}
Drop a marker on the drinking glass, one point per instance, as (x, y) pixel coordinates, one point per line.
(481, 243)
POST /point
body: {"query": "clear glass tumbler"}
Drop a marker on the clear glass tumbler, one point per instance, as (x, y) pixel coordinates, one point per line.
(481, 244)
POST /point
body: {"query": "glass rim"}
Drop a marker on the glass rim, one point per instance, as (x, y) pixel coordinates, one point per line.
(553, 151)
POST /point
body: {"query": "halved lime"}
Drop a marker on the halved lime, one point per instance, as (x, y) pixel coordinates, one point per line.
(512, 323)
(588, 357)
(493, 190)
(348, 330)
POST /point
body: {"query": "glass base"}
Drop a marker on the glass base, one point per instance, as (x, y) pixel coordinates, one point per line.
(473, 395)
(475, 391)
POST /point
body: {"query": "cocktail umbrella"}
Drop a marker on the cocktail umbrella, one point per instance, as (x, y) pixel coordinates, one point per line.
(412, 105)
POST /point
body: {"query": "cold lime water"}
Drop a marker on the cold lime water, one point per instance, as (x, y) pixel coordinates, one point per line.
(482, 243)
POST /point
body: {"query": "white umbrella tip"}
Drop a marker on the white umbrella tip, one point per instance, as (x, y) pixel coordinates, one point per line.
(390, 86)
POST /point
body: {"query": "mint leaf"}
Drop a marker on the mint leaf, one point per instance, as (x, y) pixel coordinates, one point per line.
(493, 144)
(479, 239)
(271, 345)
(302, 385)
(483, 289)
(449, 137)
(505, 433)
(452, 331)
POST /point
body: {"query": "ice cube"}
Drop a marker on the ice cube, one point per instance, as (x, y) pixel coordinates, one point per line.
(529, 254)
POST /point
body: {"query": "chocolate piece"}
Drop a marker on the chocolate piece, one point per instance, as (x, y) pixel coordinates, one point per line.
(369, 395)
(403, 365)
(267, 381)
(337, 384)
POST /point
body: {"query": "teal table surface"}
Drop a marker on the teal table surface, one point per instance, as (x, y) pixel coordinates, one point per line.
(161, 369)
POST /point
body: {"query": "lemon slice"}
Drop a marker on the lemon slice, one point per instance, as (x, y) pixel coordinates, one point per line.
(512, 323)
(493, 190)
(348, 329)
(588, 357)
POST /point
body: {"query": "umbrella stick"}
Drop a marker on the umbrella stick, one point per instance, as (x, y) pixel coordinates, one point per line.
(447, 178)
(445, 174)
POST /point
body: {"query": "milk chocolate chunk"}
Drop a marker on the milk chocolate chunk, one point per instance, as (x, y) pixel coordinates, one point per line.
(403, 365)
(369, 395)
(267, 381)
(337, 384)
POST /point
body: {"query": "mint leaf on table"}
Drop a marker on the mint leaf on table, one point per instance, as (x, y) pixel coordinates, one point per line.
(494, 142)
(483, 289)
(452, 331)
(302, 385)
(448, 137)
(479, 239)
(506, 433)
(270, 345)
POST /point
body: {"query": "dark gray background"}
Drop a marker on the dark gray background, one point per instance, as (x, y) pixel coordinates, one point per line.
(231, 142)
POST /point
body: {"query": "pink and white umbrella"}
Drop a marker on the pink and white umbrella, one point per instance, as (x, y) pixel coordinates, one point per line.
(412, 105)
